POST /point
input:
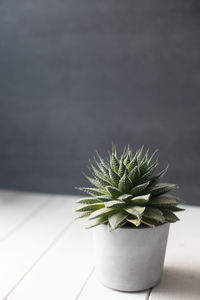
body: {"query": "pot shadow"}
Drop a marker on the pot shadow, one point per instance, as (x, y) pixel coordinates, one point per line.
(178, 283)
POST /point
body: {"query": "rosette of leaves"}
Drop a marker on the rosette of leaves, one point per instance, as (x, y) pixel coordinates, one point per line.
(128, 191)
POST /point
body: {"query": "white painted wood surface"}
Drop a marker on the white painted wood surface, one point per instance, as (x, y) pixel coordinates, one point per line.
(22, 250)
(16, 209)
(94, 290)
(45, 255)
(181, 278)
(62, 273)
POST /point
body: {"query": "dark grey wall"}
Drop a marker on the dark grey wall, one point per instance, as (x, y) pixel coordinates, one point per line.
(77, 75)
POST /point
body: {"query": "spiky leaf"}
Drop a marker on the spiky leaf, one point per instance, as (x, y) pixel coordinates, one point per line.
(127, 160)
(115, 204)
(122, 169)
(134, 174)
(135, 221)
(164, 200)
(124, 183)
(114, 163)
(175, 208)
(104, 198)
(88, 200)
(161, 188)
(132, 163)
(116, 219)
(149, 221)
(140, 200)
(96, 222)
(103, 162)
(136, 211)
(102, 213)
(125, 197)
(114, 177)
(154, 180)
(147, 174)
(154, 213)
(91, 191)
(114, 192)
(83, 214)
(152, 156)
(139, 189)
(169, 215)
(127, 184)
(90, 207)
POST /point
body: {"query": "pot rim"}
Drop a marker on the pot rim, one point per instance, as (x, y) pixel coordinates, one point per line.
(136, 228)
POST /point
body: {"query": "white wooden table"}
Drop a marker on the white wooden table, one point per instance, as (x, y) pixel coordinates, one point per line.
(45, 255)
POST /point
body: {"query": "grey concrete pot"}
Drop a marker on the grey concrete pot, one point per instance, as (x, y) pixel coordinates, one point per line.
(130, 259)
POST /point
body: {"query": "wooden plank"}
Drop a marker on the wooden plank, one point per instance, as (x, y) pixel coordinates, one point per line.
(94, 290)
(16, 208)
(63, 271)
(26, 246)
(181, 278)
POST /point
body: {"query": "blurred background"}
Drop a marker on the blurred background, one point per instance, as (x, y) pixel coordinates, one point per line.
(76, 76)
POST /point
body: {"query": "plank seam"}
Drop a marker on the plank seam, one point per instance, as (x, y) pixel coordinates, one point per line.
(49, 247)
(25, 220)
(85, 283)
(148, 294)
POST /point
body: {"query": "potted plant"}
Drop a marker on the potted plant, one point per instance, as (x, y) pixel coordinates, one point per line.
(130, 211)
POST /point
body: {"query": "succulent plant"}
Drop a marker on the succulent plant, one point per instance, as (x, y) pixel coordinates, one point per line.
(126, 191)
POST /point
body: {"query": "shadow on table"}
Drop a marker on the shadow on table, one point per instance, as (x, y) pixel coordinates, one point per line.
(178, 283)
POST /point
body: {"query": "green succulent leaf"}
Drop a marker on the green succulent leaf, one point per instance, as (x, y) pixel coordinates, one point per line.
(115, 204)
(140, 200)
(116, 219)
(103, 162)
(154, 180)
(127, 160)
(134, 174)
(102, 169)
(175, 208)
(152, 156)
(99, 174)
(139, 189)
(125, 197)
(114, 177)
(143, 168)
(139, 155)
(161, 188)
(124, 183)
(149, 221)
(133, 220)
(122, 169)
(147, 175)
(102, 183)
(114, 150)
(127, 190)
(104, 198)
(133, 163)
(114, 163)
(83, 214)
(93, 181)
(91, 191)
(96, 222)
(90, 207)
(136, 211)
(89, 200)
(124, 153)
(164, 200)
(155, 214)
(102, 212)
(169, 215)
(114, 192)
